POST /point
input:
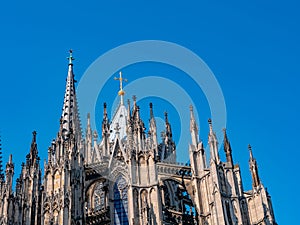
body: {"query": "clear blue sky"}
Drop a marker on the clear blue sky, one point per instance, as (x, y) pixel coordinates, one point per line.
(252, 47)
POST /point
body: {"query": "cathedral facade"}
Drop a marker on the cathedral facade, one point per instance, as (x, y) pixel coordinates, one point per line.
(125, 175)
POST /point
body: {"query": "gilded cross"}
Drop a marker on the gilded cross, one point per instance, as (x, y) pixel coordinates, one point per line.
(121, 79)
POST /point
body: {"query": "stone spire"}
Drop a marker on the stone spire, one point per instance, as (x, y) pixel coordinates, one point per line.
(227, 148)
(168, 147)
(151, 111)
(153, 129)
(213, 144)
(32, 158)
(128, 111)
(138, 126)
(135, 110)
(152, 118)
(105, 130)
(89, 139)
(9, 173)
(88, 128)
(193, 128)
(196, 149)
(253, 169)
(70, 122)
(105, 121)
(168, 127)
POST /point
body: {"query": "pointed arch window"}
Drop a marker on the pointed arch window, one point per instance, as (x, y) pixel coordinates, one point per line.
(99, 197)
(120, 202)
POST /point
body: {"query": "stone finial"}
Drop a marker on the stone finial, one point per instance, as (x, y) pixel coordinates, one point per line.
(151, 110)
(209, 121)
(134, 99)
(34, 136)
(70, 58)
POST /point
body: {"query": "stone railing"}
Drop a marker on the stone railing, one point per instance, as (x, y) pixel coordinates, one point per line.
(96, 169)
(177, 169)
(175, 217)
(99, 217)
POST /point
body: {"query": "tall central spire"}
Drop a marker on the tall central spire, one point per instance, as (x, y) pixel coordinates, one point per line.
(70, 122)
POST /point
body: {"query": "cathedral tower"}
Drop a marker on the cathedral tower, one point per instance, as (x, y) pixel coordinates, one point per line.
(62, 198)
(122, 174)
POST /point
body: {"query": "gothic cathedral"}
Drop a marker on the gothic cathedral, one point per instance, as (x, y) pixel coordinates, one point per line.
(125, 175)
